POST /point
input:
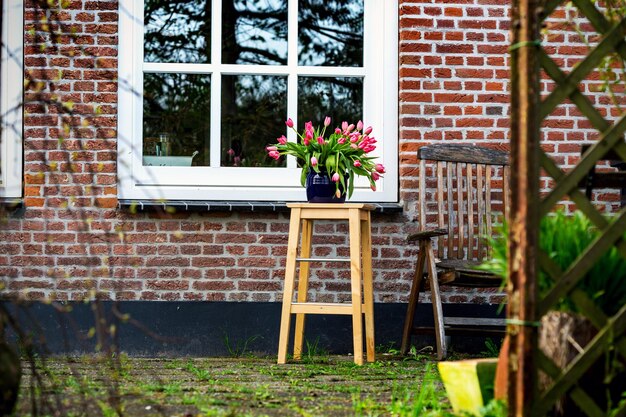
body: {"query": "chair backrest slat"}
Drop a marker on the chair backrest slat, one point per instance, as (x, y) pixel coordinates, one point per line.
(470, 211)
(459, 208)
(480, 208)
(488, 202)
(507, 190)
(422, 191)
(467, 179)
(450, 212)
(440, 208)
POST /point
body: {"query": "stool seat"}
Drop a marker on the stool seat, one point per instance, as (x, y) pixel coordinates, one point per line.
(362, 303)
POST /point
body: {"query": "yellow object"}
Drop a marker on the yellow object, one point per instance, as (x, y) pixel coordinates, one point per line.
(469, 383)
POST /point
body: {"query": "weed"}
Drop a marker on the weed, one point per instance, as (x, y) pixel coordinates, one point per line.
(238, 349)
(492, 349)
(427, 402)
(388, 349)
(201, 374)
(314, 353)
(494, 408)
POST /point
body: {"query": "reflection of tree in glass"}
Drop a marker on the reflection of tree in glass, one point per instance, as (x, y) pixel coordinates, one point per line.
(253, 108)
(177, 30)
(330, 32)
(254, 32)
(340, 98)
(178, 105)
(252, 118)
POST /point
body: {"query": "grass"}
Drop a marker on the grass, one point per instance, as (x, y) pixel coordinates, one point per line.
(321, 385)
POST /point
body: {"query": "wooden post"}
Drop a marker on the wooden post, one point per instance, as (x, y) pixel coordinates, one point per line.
(523, 220)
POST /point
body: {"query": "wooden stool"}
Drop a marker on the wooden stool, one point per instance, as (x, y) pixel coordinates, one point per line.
(303, 215)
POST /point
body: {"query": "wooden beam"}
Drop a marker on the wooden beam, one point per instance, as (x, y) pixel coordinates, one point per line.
(524, 213)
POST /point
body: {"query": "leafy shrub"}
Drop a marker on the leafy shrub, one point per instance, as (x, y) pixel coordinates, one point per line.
(564, 238)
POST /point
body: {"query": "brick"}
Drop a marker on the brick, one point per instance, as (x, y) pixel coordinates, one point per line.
(453, 86)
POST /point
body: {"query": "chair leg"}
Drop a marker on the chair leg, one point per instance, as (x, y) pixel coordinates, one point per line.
(440, 335)
(413, 298)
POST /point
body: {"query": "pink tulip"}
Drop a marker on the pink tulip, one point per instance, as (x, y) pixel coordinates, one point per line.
(369, 148)
(350, 128)
(353, 146)
(375, 176)
(320, 140)
(380, 168)
(359, 125)
(344, 125)
(313, 161)
(326, 121)
(357, 163)
(274, 154)
(230, 152)
(335, 177)
(373, 187)
(306, 141)
(289, 122)
(338, 131)
(282, 140)
(341, 141)
(354, 138)
(308, 126)
(367, 131)
(271, 148)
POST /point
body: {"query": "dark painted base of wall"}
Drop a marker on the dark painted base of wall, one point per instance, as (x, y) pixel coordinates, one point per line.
(222, 328)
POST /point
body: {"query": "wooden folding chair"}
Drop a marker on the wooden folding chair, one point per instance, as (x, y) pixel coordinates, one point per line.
(461, 190)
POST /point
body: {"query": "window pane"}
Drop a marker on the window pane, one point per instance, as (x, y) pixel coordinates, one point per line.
(339, 98)
(330, 33)
(176, 115)
(254, 110)
(177, 31)
(254, 32)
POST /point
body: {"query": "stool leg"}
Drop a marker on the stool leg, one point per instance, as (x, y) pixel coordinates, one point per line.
(290, 273)
(355, 268)
(368, 288)
(303, 285)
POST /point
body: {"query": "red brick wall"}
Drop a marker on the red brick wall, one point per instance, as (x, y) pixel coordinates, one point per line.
(71, 242)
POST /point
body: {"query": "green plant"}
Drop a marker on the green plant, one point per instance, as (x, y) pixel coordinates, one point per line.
(315, 353)
(423, 399)
(200, 373)
(343, 154)
(494, 408)
(565, 238)
(239, 348)
(492, 349)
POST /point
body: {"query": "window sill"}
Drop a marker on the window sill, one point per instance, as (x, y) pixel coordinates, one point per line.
(222, 206)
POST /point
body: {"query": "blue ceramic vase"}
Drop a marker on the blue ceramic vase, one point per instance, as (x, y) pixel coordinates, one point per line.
(320, 188)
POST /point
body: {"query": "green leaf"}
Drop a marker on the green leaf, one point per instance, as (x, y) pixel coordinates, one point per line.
(303, 176)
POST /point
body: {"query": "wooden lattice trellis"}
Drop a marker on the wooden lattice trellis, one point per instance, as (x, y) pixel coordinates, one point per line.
(524, 309)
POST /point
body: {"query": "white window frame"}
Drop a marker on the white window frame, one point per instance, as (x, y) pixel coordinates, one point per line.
(380, 74)
(11, 98)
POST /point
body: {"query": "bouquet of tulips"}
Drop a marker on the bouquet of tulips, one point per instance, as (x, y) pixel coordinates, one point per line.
(341, 154)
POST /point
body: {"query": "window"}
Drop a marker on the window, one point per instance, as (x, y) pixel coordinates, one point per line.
(11, 99)
(205, 85)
